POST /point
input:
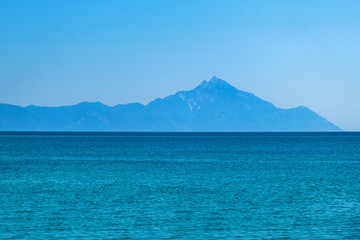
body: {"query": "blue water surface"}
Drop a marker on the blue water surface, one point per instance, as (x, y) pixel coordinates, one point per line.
(180, 185)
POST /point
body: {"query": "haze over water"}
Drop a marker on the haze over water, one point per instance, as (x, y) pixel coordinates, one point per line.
(180, 185)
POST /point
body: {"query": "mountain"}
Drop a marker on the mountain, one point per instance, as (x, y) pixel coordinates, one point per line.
(212, 106)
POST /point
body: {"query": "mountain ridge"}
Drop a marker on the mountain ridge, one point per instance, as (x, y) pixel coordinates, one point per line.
(213, 105)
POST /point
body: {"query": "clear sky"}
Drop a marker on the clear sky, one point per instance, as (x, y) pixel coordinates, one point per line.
(290, 53)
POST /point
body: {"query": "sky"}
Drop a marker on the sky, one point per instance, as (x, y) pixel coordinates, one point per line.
(291, 53)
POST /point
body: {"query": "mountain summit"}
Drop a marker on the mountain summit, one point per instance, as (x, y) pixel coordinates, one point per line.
(213, 105)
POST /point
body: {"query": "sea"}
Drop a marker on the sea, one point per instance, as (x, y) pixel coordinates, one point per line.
(57, 185)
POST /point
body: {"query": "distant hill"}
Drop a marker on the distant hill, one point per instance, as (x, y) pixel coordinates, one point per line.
(212, 106)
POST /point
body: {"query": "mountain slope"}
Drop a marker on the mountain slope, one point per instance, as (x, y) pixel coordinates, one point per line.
(212, 106)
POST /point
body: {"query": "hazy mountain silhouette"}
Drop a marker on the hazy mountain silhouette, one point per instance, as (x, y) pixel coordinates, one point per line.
(212, 106)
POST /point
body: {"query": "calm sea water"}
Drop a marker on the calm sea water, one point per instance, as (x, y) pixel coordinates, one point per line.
(180, 186)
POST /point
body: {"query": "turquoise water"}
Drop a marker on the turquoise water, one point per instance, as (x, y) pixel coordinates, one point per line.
(180, 186)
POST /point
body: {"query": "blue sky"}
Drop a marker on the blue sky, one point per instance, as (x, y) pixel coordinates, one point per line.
(290, 53)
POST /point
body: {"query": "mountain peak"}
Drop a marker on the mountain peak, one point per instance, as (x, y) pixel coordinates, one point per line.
(214, 82)
(216, 86)
(214, 79)
(217, 82)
